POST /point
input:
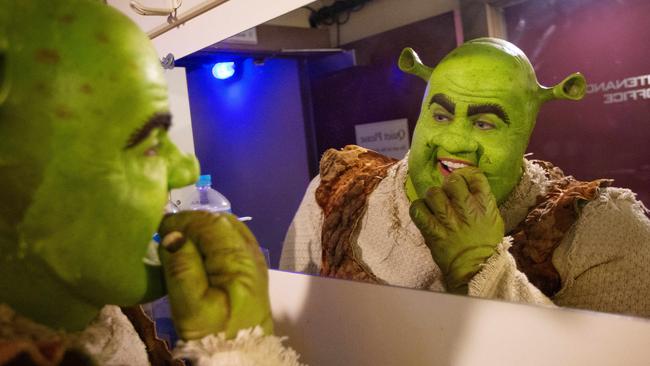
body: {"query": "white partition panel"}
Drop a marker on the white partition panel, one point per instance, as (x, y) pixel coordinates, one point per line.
(336, 322)
(179, 105)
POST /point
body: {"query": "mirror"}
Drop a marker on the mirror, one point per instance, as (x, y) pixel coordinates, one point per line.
(284, 92)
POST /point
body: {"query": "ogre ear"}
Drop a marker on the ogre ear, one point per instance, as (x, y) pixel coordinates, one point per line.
(573, 87)
(409, 62)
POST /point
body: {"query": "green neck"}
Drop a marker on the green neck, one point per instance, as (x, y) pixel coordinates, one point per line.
(27, 281)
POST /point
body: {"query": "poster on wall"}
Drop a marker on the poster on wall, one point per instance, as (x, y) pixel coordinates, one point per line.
(390, 138)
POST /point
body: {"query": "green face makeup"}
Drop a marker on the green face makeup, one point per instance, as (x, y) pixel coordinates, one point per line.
(89, 161)
(479, 109)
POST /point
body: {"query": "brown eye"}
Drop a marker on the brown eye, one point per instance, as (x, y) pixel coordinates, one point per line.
(152, 151)
(441, 117)
(152, 143)
(482, 125)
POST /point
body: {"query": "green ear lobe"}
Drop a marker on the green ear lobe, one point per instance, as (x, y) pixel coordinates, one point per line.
(410, 63)
(573, 87)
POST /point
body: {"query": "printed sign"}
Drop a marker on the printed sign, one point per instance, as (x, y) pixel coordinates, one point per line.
(622, 90)
(390, 138)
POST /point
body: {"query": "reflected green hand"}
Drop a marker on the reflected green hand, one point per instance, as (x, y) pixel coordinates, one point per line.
(461, 225)
(216, 276)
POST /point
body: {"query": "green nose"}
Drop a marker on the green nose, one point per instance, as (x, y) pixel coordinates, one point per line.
(456, 143)
(183, 170)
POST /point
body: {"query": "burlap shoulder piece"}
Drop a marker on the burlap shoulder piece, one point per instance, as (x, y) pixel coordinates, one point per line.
(536, 238)
(54, 352)
(348, 176)
(24, 342)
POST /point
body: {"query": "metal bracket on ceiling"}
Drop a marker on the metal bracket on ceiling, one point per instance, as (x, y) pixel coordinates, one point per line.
(167, 62)
(173, 20)
(147, 10)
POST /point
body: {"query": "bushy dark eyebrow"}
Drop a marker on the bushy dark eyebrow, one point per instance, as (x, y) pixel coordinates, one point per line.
(488, 108)
(444, 101)
(159, 120)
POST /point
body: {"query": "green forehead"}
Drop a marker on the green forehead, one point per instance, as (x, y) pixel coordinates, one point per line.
(82, 65)
(486, 69)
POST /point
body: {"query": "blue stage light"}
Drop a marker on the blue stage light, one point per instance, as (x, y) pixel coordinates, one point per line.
(223, 70)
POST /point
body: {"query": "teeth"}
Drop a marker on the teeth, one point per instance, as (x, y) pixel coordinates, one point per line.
(451, 165)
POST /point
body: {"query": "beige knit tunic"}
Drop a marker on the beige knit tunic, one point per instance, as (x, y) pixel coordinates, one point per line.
(603, 261)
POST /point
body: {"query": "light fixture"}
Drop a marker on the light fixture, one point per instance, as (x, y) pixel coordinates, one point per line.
(223, 70)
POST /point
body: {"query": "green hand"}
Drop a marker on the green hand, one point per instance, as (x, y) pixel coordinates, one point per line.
(461, 225)
(216, 276)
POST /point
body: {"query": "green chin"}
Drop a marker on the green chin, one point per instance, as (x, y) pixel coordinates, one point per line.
(502, 185)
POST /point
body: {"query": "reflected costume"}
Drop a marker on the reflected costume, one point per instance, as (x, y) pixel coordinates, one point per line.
(86, 167)
(542, 237)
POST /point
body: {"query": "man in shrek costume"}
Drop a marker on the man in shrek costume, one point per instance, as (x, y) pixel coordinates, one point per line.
(86, 165)
(465, 212)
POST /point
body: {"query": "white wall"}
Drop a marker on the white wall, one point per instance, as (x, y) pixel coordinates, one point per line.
(179, 103)
(181, 130)
(298, 17)
(379, 16)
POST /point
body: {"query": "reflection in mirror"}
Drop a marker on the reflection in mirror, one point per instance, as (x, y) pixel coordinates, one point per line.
(484, 182)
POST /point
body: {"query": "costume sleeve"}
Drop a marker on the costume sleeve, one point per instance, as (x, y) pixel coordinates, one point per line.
(500, 279)
(604, 261)
(250, 348)
(301, 251)
(606, 267)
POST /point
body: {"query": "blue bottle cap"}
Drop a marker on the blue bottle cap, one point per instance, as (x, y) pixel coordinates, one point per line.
(204, 180)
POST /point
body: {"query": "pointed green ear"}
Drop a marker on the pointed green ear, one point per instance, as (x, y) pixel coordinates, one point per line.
(409, 62)
(573, 87)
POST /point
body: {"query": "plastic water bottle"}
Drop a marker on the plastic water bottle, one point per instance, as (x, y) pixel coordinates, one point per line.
(207, 198)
